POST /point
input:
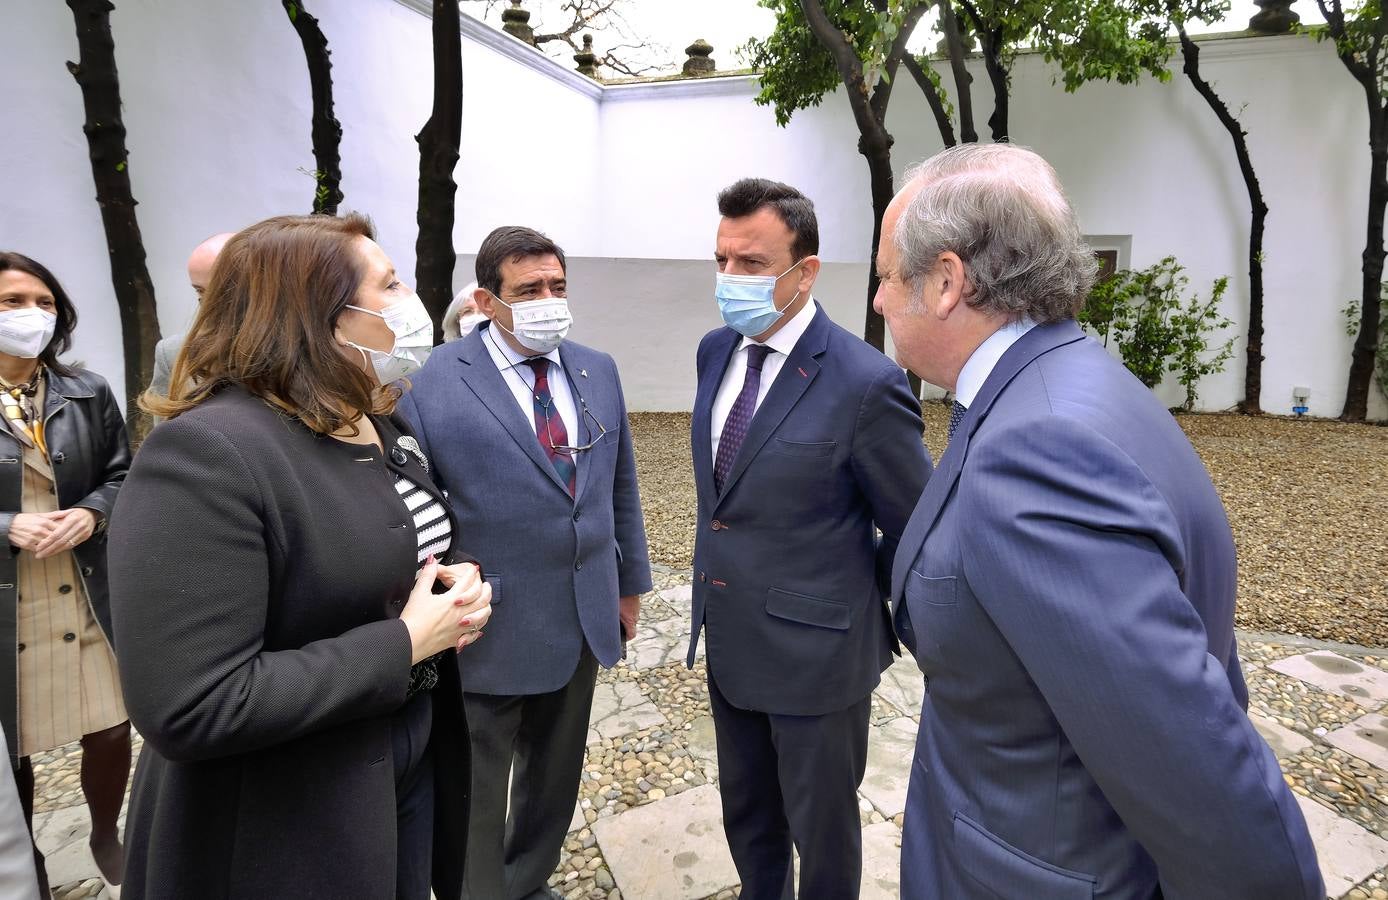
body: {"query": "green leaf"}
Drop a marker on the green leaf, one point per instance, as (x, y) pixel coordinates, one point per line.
(293, 12)
(120, 166)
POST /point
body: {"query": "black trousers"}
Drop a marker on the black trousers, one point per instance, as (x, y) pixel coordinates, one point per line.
(792, 780)
(414, 798)
(510, 855)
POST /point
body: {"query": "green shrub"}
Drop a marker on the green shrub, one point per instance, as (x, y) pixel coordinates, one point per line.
(1156, 329)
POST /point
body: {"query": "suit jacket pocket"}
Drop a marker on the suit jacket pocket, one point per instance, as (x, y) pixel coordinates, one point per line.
(816, 450)
(495, 582)
(808, 610)
(1008, 872)
(941, 590)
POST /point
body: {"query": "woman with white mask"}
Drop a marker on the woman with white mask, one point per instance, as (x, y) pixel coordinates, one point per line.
(287, 593)
(65, 440)
(462, 316)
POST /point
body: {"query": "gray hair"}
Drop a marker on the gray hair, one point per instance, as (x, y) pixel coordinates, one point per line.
(1001, 208)
(451, 332)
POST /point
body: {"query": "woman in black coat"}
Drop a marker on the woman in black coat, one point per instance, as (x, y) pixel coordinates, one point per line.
(293, 677)
(63, 455)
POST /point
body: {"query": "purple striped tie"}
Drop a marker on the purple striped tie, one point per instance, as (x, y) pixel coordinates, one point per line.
(549, 427)
(735, 428)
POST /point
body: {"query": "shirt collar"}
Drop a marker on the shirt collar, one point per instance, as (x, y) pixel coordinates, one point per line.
(984, 359)
(784, 340)
(505, 356)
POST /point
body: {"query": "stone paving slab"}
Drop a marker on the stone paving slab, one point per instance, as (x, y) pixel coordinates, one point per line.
(891, 748)
(703, 745)
(1348, 853)
(903, 686)
(1364, 684)
(672, 849)
(1283, 741)
(1366, 738)
(620, 708)
(661, 643)
(881, 862)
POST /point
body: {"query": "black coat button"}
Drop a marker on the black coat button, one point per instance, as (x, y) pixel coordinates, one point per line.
(716, 525)
(703, 577)
(578, 566)
(86, 571)
(21, 648)
(577, 514)
(65, 589)
(398, 456)
(69, 637)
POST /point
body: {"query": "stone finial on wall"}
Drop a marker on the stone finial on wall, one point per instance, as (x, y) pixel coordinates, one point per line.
(515, 21)
(699, 62)
(1274, 17)
(587, 60)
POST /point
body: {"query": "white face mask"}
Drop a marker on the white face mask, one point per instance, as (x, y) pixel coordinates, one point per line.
(409, 321)
(468, 323)
(26, 332)
(541, 325)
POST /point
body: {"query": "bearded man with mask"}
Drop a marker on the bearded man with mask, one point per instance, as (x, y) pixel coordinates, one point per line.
(807, 442)
(528, 433)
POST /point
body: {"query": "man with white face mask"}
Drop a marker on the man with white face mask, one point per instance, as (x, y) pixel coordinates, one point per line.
(528, 434)
(806, 441)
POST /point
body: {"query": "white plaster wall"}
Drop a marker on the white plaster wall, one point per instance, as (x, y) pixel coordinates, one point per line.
(217, 107)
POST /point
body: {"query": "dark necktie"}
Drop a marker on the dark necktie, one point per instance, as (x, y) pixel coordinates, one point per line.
(549, 427)
(740, 417)
(956, 415)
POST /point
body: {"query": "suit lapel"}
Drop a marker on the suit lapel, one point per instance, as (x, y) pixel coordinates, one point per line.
(795, 377)
(1031, 346)
(485, 380)
(720, 353)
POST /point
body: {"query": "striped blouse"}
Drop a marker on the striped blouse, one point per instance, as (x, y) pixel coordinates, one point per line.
(432, 529)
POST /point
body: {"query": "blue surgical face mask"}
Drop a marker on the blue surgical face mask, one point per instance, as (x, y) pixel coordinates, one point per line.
(748, 302)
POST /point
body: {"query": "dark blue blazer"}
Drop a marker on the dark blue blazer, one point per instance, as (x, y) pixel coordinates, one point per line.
(1067, 585)
(556, 565)
(790, 576)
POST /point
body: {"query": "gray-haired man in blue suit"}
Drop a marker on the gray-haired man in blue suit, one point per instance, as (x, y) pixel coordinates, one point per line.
(528, 435)
(806, 441)
(1067, 584)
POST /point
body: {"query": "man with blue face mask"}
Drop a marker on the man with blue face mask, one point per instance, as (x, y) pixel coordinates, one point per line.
(528, 434)
(806, 441)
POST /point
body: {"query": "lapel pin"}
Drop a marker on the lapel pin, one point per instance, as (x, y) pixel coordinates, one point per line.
(583, 372)
(803, 373)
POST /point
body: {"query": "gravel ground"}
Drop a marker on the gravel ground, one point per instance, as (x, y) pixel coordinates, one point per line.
(1308, 501)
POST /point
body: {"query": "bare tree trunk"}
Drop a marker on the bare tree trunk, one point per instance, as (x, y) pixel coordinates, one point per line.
(327, 131)
(1361, 367)
(96, 76)
(963, 92)
(870, 114)
(1253, 369)
(438, 156)
(997, 74)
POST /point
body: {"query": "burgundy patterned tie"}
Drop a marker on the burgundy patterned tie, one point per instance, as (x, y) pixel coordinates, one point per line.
(549, 427)
(735, 429)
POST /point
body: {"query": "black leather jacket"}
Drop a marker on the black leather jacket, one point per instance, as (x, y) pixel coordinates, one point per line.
(87, 444)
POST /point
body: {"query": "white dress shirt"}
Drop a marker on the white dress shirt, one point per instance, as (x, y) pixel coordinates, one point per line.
(781, 343)
(520, 378)
(985, 358)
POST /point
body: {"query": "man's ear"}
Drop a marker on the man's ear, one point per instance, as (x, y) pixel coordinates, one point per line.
(483, 298)
(809, 271)
(949, 269)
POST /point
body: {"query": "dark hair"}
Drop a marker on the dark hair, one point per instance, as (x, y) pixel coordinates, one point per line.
(745, 197)
(266, 324)
(67, 313)
(508, 244)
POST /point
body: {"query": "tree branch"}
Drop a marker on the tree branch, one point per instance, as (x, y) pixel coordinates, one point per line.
(932, 97)
(963, 79)
(849, 66)
(882, 91)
